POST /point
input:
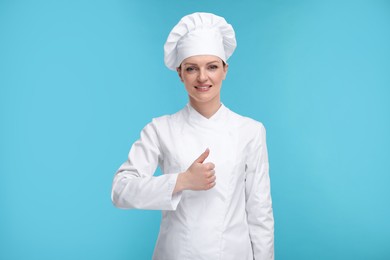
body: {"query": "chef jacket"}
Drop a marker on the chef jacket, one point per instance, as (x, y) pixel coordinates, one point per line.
(234, 219)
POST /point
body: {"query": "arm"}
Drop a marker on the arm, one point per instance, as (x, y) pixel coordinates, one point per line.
(134, 185)
(258, 199)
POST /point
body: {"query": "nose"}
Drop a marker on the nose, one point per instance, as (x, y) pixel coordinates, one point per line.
(202, 76)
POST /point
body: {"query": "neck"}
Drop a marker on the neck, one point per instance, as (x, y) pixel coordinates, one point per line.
(206, 109)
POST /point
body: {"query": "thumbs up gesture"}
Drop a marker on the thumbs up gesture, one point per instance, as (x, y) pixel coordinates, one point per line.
(199, 176)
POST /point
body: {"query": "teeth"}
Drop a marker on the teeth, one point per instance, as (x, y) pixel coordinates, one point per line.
(203, 88)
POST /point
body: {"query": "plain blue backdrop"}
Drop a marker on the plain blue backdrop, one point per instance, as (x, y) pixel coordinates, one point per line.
(80, 79)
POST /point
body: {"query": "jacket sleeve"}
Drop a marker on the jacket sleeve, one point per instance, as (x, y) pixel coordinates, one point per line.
(134, 185)
(258, 199)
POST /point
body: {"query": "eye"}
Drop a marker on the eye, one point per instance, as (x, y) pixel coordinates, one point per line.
(190, 69)
(213, 67)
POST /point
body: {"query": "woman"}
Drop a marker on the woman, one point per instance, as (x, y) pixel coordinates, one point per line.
(215, 190)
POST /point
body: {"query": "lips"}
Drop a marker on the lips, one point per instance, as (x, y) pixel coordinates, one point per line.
(203, 88)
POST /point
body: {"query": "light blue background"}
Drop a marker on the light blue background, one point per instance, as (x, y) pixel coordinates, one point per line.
(80, 79)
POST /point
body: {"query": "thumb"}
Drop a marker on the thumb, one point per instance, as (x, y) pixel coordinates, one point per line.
(203, 156)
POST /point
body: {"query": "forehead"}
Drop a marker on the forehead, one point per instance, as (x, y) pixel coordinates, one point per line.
(201, 59)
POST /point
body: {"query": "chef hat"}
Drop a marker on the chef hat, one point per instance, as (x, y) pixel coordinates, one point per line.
(199, 34)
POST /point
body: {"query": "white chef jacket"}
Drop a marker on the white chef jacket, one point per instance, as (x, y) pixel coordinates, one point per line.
(234, 219)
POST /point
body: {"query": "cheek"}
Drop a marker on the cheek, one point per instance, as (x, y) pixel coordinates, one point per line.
(188, 87)
(219, 78)
(187, 80)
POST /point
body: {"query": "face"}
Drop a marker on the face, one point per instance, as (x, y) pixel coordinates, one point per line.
(202, 76)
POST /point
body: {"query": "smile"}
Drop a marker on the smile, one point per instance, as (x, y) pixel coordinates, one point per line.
(203, 88)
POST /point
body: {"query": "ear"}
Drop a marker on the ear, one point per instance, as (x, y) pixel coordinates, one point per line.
(225, 70)
(178, 69)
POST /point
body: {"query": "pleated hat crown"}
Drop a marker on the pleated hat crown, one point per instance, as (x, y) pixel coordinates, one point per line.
(199, 34)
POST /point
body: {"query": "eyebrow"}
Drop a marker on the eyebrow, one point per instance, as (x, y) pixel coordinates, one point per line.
(190, 63)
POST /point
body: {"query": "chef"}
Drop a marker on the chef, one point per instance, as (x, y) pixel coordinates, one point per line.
(214, 192)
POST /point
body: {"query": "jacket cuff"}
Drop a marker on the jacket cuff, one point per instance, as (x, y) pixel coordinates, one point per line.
(174, 198)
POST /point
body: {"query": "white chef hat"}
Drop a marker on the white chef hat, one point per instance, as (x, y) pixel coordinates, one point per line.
(199, 34)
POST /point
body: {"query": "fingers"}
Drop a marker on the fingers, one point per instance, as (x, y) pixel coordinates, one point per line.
(211, 185)
(202, 175)
(210, 173)
(211, 181)
(212, 178)
(203, 156)
(209, 166)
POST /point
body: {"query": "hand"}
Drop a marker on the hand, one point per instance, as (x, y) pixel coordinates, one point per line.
(199, 176)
